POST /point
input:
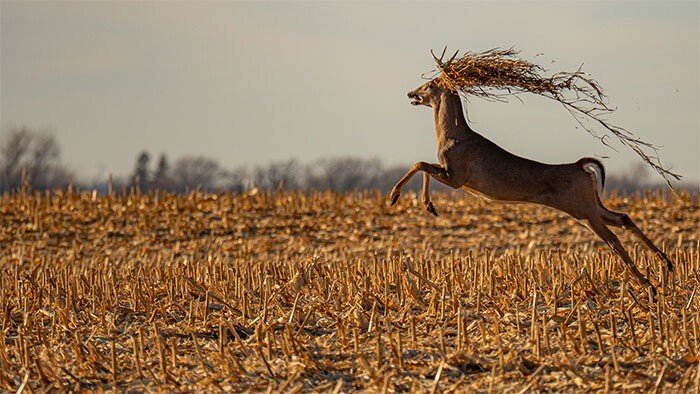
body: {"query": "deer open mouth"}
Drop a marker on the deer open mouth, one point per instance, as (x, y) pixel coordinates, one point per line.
(416, 100)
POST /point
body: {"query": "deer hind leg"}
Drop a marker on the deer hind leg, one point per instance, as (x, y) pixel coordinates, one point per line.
(598, 226)
(622, 220)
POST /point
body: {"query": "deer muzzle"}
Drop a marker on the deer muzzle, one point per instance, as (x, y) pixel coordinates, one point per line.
(415, 98)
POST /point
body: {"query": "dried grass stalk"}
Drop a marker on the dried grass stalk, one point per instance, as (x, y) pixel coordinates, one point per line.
(498, 74)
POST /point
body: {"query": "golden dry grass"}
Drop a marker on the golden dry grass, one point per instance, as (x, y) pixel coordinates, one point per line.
(328, 292)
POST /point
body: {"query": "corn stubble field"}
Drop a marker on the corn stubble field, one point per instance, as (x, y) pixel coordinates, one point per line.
(339, 293)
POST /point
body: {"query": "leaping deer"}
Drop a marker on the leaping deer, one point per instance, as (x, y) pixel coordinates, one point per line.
(471, 162)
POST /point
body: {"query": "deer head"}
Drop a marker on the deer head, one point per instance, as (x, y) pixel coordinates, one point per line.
(430, 92)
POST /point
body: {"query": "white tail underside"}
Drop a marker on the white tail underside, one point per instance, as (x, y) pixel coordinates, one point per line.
(597, 172)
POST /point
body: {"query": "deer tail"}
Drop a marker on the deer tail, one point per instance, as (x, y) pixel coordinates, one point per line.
(596, 170)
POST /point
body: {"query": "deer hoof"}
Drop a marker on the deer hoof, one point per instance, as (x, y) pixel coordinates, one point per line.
(431, 208)
(394, 198)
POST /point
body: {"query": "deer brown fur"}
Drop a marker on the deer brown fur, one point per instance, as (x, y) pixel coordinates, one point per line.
(471, 162)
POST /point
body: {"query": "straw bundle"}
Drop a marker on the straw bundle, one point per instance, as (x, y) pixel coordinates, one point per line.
(497, 74)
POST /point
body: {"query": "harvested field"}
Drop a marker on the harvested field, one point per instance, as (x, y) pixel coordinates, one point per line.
(338, 293)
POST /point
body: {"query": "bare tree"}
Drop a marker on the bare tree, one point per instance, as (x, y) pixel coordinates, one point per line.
(14, 151)
(279, 175)
(235, 181)
(34, 157)
(634, 179)
(195, 172)
(161, 178)
(344, 174)
(142, 175)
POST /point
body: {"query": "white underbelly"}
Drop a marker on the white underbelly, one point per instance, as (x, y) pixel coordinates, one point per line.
(488, 198)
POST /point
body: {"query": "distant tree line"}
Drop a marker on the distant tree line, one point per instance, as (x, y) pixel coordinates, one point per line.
(201, 173)
(32, 159)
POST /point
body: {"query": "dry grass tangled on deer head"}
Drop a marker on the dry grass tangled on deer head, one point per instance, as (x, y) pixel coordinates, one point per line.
(498, 74)
(327, 292)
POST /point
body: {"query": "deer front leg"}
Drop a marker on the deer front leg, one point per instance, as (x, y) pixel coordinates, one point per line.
(425, 195)
(433, 170)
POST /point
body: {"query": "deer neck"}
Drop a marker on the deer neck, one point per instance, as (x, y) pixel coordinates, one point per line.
(450, 125)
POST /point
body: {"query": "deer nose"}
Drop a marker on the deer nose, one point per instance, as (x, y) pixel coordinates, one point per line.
(411, 95)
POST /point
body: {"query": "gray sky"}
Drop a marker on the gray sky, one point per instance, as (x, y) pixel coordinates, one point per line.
(251, 83)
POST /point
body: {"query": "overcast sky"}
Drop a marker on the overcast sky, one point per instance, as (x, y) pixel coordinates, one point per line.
(252, 83)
